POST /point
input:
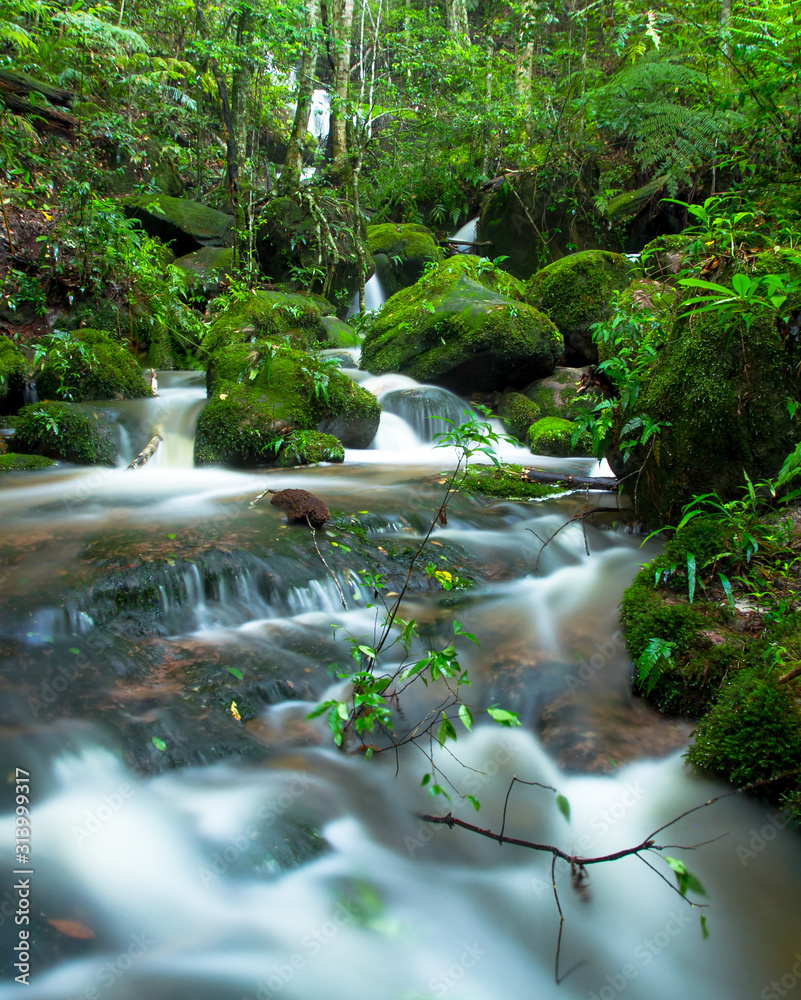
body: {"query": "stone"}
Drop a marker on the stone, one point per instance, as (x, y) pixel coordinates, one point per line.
(301, 507)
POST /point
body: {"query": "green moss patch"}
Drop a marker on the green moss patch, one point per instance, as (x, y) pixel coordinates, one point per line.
(505, 483)
(401, 253)
(23, 463)
(279, 316)
(89, 365)
(68, 431)
(553, 436)
(14, 372)
(518, 413)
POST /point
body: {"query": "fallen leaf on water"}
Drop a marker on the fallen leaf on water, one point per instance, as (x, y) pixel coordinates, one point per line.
(71, 928)
(235, 712)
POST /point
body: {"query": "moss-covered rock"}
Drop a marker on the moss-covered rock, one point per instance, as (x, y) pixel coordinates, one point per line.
(518, 413)
(88, 365)
(401, 252)
(14, 374)
(504, 483)
(23, 463)
(280, 317)
(261, 394)
(339, 334)
(558, 394)
(552, 436)
(663, 258)
(205, 268)
(293, 247)
(463, 326)
(69, 431)
(720, 394)
(309, 448)
(576, 292)
(185, 226)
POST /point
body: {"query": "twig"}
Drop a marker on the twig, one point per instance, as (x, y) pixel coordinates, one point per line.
(573, 520)
(322, 560)
(515, 779)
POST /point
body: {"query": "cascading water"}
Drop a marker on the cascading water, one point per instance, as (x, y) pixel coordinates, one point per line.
(270, 865)
(464, 237)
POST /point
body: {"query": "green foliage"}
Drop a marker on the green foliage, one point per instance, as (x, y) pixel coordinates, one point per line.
(64, 430)
(85, 365)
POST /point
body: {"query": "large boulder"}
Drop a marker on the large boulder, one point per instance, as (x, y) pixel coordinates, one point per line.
(185, 226)
(86, 365)
(401, 252)
(264, 401)
(720, 393)
(310, 247)
(69, 431)
(463, 326)
(205, 268)
(577, 292)
(276, 316)
(561, 394)
(14, 375)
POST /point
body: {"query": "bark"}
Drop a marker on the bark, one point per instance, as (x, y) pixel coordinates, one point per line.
(231, 156)
(290, 174)
(147, 452)
(240, 84)
(572, 482)
(341, 29)
(458, 27)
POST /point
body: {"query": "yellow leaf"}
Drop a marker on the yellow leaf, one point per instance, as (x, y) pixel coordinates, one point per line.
(235, 712)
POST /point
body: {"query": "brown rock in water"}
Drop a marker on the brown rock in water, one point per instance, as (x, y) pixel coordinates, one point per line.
(300, 506)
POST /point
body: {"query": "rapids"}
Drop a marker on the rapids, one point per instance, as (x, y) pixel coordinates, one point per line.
(270, 865)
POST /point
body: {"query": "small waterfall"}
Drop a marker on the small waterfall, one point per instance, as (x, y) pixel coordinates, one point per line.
(29, 393)
(466, 232)
(320, 117)
(426, 409)
(374, 297)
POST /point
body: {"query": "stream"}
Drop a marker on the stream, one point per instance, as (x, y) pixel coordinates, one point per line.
(177, 852)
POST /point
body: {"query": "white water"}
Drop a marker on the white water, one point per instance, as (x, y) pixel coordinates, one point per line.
(180, 876)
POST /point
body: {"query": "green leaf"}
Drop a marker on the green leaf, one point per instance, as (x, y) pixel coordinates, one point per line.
(426, 779)
(458, 630)
(704, 928)
(502, 717)
(724, 582)
(75, 652)
(691, 575)
(159, 744)
(445, 730)
(473, 802)
(236, 672)
(685, 879)
(368, 753)
(367, 650)
(563, 806)
(466, 716)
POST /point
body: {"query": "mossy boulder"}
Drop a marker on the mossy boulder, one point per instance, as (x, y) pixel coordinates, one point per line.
(281, 317)
(69, 431)
(401, 252)
(14, 375)
(576, 292)
(309, 448)
(88, 365)
(721, 395)
(291, 249)
(11, 462)
(463, 327)
(185, 226)
(262, 395)
(553, 436)
(339, 334)
(558, 394)
(518, 413)
(205, 268)
(664, 257)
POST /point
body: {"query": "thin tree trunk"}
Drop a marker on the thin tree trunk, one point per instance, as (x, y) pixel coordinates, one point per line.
(341, 29)
(290, 174)
(232, 159)
(240, 84)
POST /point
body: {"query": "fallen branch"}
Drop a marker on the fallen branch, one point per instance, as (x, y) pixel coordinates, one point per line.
(572, 482)
(146, 453)
(790, 675)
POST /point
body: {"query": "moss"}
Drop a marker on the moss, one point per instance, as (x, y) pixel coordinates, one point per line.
(279, 316)
(665, 256)
(576, 292)
(309, 448)
(753, 733)
(401, 253)
(558, 394)
(14, 373)
(722, 396)
(23, 463)
(339, 334)
(505, 483)
(183, 225)
(518, 413)
(552, 436)
(205, 267)
(67, 431)
(462, 326)
(89, 365)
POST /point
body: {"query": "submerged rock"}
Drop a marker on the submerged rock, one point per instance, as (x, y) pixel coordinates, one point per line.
(463, 326)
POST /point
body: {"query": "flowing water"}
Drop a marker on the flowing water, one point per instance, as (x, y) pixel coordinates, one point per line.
(270, 865)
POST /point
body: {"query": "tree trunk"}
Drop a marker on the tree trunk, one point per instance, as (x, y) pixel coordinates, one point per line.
(240, 84)
(231, 155)
(458, 27)
(341, 29)
(290, 174)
